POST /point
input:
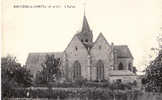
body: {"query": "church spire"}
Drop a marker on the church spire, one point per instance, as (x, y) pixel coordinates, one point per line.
(85, 26)
(85, 35)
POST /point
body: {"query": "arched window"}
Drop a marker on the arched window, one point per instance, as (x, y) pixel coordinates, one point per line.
(76, 48)
(120, 67)
(76, 70)
(100, 70)
(130, 66)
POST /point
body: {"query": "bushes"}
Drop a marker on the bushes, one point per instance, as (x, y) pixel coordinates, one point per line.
(77, 84)
(78, 88)
(89, 84)
(13, 75)
(91, 93)
(68, 89)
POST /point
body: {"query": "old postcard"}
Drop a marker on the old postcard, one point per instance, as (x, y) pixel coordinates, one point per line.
(81, 50)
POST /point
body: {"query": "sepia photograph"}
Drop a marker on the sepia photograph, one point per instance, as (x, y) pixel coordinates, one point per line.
(81, 50)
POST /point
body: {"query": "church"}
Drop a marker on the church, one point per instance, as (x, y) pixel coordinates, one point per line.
(84, 58)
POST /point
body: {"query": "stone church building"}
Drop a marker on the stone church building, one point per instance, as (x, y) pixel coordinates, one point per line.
(84, 58)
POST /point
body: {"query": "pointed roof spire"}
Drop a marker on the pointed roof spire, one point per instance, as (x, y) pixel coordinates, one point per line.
(85, 26)
(84, 11)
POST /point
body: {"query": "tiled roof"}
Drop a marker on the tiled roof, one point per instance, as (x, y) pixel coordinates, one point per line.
(41, 57)
(35, 60)
(122, 51)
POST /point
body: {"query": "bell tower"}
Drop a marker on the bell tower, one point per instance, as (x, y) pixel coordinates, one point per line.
(85, 35)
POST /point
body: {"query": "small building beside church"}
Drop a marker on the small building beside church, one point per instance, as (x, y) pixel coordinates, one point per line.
(91, 60)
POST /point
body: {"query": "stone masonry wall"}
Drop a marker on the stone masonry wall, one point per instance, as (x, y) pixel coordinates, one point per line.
(101, 51)
(77, 52)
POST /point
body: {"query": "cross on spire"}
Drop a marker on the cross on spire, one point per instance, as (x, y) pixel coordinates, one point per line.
(85, 26)
(84, 8)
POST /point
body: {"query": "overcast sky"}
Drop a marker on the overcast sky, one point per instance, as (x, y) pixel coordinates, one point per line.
(135, 23)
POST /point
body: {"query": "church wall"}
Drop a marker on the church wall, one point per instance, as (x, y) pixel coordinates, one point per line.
(84, 36)
(35, 60)
(101, 51)
(130, 60)
(124, 79)
(125, 62)
(34, 69)
(77, 52)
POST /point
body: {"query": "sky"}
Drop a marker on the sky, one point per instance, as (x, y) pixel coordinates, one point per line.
(135, 23)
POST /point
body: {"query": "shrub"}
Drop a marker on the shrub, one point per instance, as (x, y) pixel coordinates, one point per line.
(90, 93)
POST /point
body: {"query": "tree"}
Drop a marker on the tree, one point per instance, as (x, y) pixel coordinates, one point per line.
(153, 75)
(23, 76)
(51, 70)
(13, 75)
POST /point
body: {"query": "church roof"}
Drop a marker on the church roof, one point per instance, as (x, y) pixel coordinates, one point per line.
(35, 60)
(121, 73)
(122, 51)
(85, 33)
(102, 37)
(85, 26)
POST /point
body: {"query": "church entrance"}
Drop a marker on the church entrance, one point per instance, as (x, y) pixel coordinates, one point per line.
(100, 70)
(76, 70)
